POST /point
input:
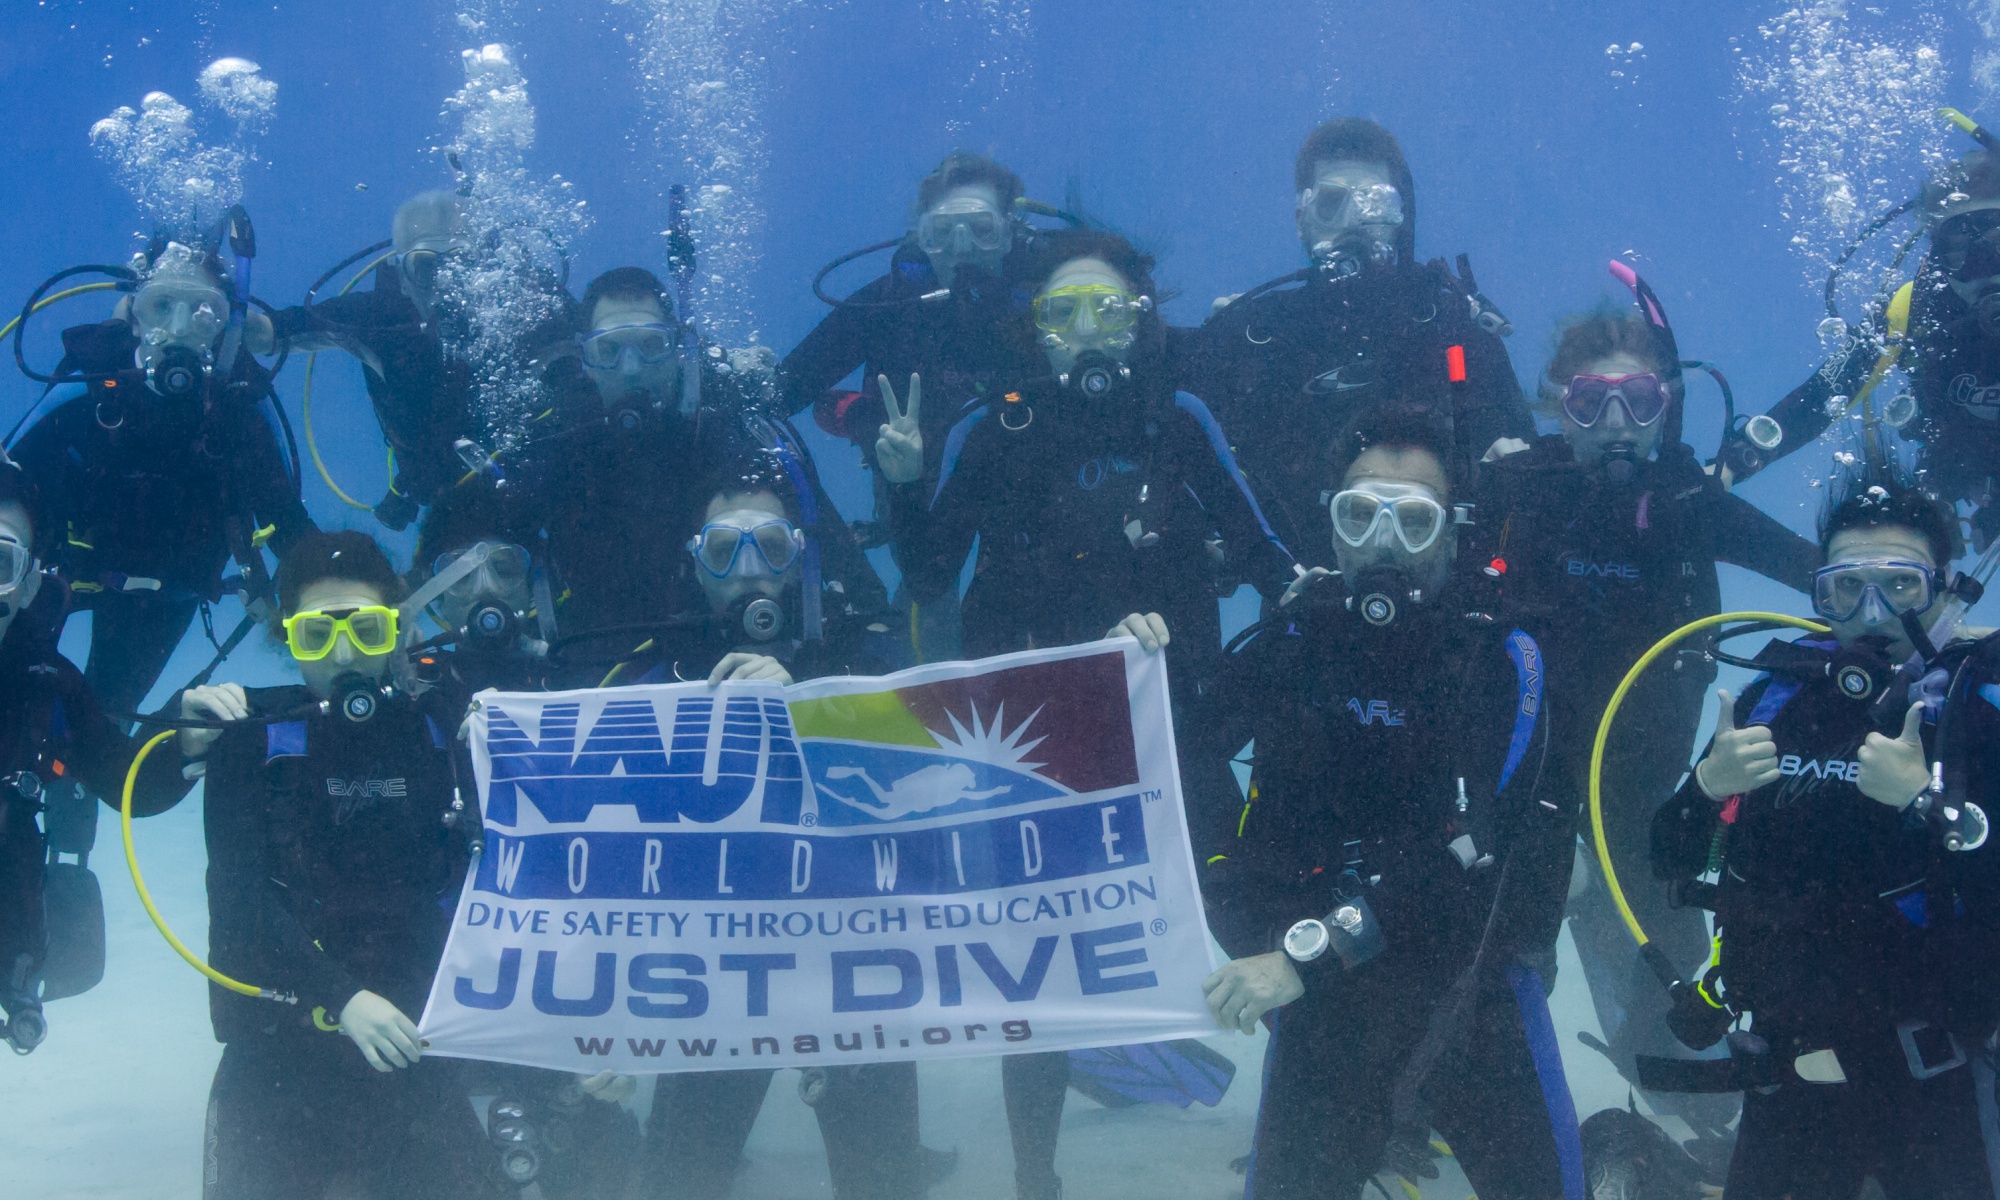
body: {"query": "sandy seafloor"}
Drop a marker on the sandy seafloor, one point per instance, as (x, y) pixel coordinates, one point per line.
(110, 1107)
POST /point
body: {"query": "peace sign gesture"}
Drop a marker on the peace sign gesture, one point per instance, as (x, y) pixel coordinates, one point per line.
(899, 452)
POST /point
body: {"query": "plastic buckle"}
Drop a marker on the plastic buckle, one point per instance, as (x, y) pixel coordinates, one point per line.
(1923, 1067)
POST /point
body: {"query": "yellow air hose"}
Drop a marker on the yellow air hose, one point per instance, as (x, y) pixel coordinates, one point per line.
(306, 403)
(1604, 735)
(320, 1019)
(45, 301)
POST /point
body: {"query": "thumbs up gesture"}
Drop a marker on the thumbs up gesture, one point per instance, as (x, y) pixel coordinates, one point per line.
(1895, 770)
(899, 452)
(1740, 760)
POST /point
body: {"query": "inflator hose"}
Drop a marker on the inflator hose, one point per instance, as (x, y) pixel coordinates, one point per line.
(146, 897)
(1655, 958)
(306, 405)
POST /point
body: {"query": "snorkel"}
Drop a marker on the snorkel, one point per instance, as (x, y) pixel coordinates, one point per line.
(243, 247)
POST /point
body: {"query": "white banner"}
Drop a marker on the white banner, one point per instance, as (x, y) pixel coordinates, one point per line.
(956, 860)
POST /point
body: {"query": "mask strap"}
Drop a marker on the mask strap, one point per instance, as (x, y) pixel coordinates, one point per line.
(545, 606)
(1919, 637)
(464, 565)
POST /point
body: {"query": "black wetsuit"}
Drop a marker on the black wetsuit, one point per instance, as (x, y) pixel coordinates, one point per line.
(1085, 514)
(54, 739)
(422, 396)
(966, 347)
(1954, 373)
(1061, 494)
(1601, 571)
(1287, 370)
(1843, 920)
(1362, 738)
(617, 488)
(155, 507)
(331, 870)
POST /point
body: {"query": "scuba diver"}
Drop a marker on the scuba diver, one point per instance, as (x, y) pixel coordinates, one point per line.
(599, 470)
(952, 309)
(1943, 328)
(1393, 888)
(53, 738)
(564, 1133)
(749, 555)
(165, 466)
(1093, 492)
(422, 395)
(1093, 487)
(1603, 539)
(1288, 364)
(1833, 829)
(336, 843)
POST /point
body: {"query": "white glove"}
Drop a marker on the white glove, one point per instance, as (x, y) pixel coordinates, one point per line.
(1741, 760)
(222, 702)
(1148, 628)
(1502, 447)
(1221, 302)
(608, 1086)
(1247, 988)
(741, 666)
(899, 452)
(1895, 770)
(385, 1037)
(1298, 586)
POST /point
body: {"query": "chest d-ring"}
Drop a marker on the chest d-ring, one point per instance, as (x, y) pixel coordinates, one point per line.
(1026, 421)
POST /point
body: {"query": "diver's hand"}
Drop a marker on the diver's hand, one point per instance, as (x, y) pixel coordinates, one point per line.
(385, 1037)
(222, 702)
(608, 1086)
(1306, 580)
(1149, 628)
(1741, 760)
(1221, 302)
(899, 452)
(1247, 988)
(1502, 447)
(742, 667)
(259, 335)
(1895, 770)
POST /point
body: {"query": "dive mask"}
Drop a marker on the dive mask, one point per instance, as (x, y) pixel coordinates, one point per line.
(1374, 513)
(1334, 204)
(179, 311)
(652, 343)
(17, 562)
(1645, 398)
(370, 628)
(962, 228)
(1110, 309)
(775, 542)
(484, 598)
(1881, 590)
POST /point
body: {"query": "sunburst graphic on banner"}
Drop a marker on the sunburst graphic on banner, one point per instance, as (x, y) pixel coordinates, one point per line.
(992, 742)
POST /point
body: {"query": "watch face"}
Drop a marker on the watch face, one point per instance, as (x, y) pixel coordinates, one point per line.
(1307, 940)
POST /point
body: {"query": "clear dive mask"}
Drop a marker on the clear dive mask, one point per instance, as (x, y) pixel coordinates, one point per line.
(963, 229)
(1347, 225)
(646, 344)
(17, 563)
(489, 594)
(1881, 590)
(179, 311)
(1386, 514)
